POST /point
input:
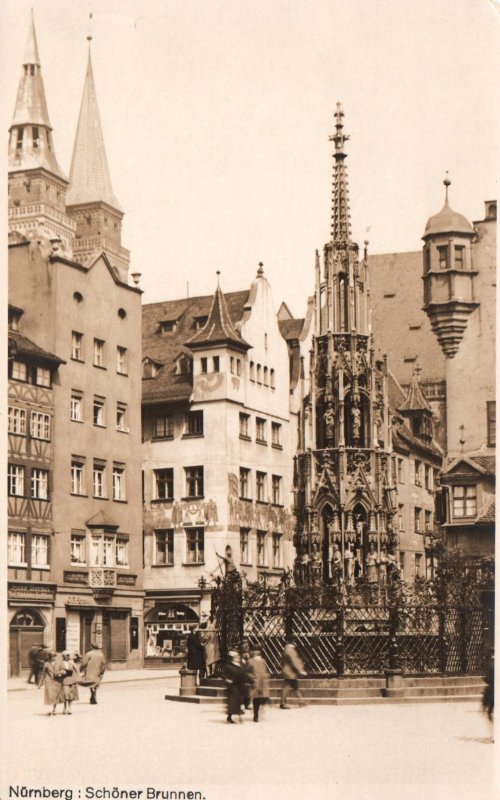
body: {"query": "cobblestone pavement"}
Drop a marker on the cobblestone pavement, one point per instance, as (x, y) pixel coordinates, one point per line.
(134, 738)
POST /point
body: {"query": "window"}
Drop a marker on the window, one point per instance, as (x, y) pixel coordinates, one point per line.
(98, 353)
(418, 520)
(119, 483)
(15, 480)
(39, 551)
(464, 501)
(402, 562)
(244, 483)
(16, 549)
(418, 565)
(252, 371)
(40, 484)
(168, 325)
(276, 549)
(195, 545)
(19, 371)
(491, 418)
(428, 521)
(40, 425)
(259, 373)
(102, 550)
(99, 480)
(260, 430)
(401, 517)
(266, 377)
(200, 322)
(163, 484)
(204, 365)
(276, 434)
(98, 411)
(77, 468)
(261, 486)
(272, 379)
(428, 477)
(244, 546)
(121, 417)
(194, 481)
(194, 424)
(232, 362)
(164, 547)
(19, 140)
(163, 427)
(238, 367)
(78, 549)
(76, 409)
(121, 553)
(418, 473)
(261, 548)
(216, 363)
(459, 256)
(42, 376)
(443, 257)
(244, 427)
(35, 132)
(121, 360)
(149, 369)
(77, 346)
(276, 488)
(17, 420)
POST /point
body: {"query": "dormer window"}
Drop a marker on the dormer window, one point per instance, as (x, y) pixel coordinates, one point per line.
(200, 322)
(183, 365)
(149, 369)
(168, 325)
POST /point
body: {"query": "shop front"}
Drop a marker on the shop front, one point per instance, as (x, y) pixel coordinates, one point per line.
(30, 621)
(166, 628)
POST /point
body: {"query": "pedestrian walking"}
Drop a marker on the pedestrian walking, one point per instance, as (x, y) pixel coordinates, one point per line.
(42, 657)
(92, 669)
(244, 659)
(488, 701)
(69, 681)
(211, 646)
(292, 669)
(195, 653)
(52, 678)
(259, 675)
(35, 667)
(236, 677)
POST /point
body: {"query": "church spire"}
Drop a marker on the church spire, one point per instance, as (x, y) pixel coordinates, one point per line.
(89, 178)
(30, 142)
(341, 227)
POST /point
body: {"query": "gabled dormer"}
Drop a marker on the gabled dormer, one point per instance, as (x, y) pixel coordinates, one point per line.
(417, 410)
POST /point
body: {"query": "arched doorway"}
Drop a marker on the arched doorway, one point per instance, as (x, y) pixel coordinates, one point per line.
(26, 629)
(166, 628)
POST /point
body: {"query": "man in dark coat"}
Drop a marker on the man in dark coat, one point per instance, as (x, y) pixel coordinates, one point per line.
(195, 653)
(259, 675)
(236, 678)
(292, 670)
(35, 666)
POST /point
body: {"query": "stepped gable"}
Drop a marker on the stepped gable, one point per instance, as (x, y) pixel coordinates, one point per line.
(165, 347)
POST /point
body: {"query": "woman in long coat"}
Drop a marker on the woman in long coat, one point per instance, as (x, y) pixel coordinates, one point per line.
(92, 668)
(236, 677)
(259, 675)
(211, 645)
(69, 682)
(52, 678)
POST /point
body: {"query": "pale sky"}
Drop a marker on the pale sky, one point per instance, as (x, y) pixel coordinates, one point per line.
(216, 116)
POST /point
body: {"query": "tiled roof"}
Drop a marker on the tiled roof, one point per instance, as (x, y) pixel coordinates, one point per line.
(219, 328)
(164, 348)
(402, 435)
(415, 399)
(488, 516)
(25, 346)
(291, 328)
(486, 462)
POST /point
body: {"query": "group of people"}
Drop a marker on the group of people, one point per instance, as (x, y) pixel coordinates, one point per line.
(203, 651)
(247, 680)
(61, 674)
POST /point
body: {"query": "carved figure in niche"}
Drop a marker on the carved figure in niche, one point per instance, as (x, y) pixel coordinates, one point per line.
(316, 567)
(348, 565)
(382, 567)
(371, 565)
(356, 422)
(336, 563)
(329, 417)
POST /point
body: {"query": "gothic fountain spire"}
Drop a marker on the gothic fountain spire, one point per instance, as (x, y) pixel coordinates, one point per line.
(341, 226)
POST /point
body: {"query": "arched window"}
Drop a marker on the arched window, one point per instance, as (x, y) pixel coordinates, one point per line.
(259, 373)
(272, 381)
(252, 371)
(266, 379)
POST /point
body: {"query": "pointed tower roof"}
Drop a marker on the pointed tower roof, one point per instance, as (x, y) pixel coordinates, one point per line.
(29, 148)
(341, 226)
(447, 221)
(415, 399)
(89, 178)
(219, 328)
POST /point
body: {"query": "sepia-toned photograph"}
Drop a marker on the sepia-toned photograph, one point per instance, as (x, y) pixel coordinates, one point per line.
(249, 419)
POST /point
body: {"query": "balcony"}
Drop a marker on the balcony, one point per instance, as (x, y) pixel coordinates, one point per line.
(102, 581)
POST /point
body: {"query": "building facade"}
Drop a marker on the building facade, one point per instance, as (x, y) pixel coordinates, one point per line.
(84, 311)
(217, 453)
